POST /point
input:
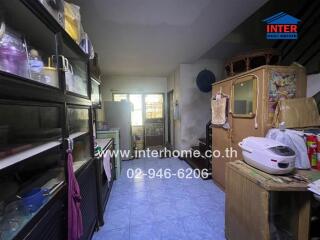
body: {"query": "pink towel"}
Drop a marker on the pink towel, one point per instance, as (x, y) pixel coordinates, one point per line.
(75, 227)
(107, 164)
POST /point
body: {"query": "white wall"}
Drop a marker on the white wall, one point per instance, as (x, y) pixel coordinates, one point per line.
(313, 84)
(127, 84)
(195, 108)
(174, 84)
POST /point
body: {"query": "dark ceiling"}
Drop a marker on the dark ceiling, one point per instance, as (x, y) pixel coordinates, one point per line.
(251, 34)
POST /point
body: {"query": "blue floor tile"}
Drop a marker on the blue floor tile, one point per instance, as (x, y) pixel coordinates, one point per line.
(115, 219)
(115, 234)
(139, 198)
(197, 228)
(146, 208)
(159, 196)
(172, 230)
(117, 202)
(142, 214)
(156, 184)
(164, 211)
(149, 231)
(186, 207)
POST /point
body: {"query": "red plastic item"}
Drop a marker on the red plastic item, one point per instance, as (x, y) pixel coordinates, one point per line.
(312, 144)
(318, 152)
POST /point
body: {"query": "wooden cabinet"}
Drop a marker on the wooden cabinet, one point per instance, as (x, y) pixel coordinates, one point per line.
(252, 100)
(261, 206)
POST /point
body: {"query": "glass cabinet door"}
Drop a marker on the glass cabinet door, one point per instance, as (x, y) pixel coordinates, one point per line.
(27, 129)
(95, 92)
(27, 48)
(31, 163)
(76, 72)
(244, 97)
(78, 120)
(79, 131)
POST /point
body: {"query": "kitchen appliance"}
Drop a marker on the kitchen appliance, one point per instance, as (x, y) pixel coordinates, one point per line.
(118, 115)
(268, 155)
(293, 139)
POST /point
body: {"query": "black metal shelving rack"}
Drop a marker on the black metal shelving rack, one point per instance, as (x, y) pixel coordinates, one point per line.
(51, 221)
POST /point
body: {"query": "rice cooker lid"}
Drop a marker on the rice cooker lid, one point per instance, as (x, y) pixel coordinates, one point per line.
(266, 144)
(282, 151)
(260, 143)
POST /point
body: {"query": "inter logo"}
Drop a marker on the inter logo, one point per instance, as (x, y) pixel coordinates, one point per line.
(282, 26)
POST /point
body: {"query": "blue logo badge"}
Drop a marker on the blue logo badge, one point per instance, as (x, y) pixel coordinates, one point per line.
(282, 26)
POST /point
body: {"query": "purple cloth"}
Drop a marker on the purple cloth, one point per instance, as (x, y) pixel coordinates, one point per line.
(75, 227)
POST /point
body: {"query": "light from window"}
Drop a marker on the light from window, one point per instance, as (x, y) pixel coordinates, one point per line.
(120, 97)
(136, 114)
(154, 106)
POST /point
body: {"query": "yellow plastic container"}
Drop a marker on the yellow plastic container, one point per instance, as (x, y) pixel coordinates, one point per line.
(72, 21)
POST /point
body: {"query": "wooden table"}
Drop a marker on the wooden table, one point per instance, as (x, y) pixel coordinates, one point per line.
(260, 205)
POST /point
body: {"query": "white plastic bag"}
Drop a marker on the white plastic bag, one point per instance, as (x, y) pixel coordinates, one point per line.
(294, 140)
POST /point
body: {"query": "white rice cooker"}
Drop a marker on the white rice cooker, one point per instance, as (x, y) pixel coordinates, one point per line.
(268, 155)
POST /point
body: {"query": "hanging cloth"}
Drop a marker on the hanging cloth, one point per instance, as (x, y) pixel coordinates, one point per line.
(219, 108)
(75, 227)
(107, 165)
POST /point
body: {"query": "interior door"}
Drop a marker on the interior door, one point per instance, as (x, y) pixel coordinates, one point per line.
(154, 120)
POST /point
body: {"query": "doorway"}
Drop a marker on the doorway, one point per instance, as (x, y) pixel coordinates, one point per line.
(147, 118)
(154, 120)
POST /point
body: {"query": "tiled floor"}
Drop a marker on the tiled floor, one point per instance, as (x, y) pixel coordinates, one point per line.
(164, 209)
